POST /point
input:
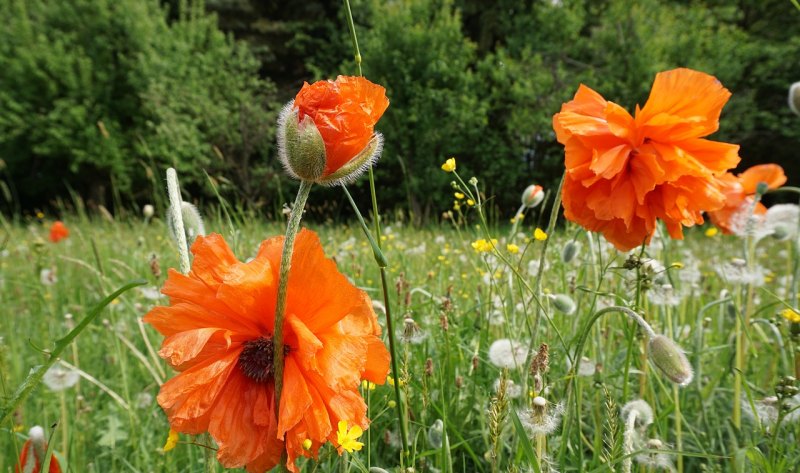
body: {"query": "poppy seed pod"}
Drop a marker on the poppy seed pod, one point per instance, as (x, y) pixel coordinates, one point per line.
(326, 134)
(670, 359)
(532, 196)
(794, 97)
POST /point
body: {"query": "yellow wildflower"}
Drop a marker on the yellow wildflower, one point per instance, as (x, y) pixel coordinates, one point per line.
(459, 195)
(484, 246)
(540, 234)
(791, 315)
(368, 385)
(172, 440)
(512, 248)
(710, 232)
(470, 202)
(449, 165)
(348, 439)
(307, 444)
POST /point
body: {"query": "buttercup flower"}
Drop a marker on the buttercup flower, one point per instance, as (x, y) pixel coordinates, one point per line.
(449, 165)
(219, 328)
(58, 231)
(624, 172)
(739, 191)
(326, 134)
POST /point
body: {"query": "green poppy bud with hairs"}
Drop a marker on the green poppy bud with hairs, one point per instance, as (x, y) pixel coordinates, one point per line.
(794, 97)
(670, 359)
(563, 303)
(570, 250)
(192, 223)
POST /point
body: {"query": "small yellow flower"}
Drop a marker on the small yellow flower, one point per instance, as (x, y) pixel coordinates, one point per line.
(791, 315)
(512, 248)
(390, 381)
(677, 265)
(18, 428)
(540, 234)
(172, 440)
(368, 385)
(470, 202)
(39, 215)
(440, 258)
(392, 404)
(307, 444)
(710, 232)
(484, 246)
(456, 206)
(459, 195)
(449, 165)
(348, 439)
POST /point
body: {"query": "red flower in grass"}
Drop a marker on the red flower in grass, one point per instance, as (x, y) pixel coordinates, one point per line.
(58, 231)
(626, 172)
(739, 191)
(32, 457)
(218, 330)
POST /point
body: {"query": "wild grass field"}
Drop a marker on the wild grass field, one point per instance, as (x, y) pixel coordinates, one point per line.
(470, 316)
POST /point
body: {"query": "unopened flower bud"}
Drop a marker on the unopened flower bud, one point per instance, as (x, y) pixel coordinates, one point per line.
(148, 211)
(762, 188)
(670, 359)
(794, 97)
(532, 196)
(781, 232)
(563, 303)
(570, 250)
(192, 223)
(302, 149)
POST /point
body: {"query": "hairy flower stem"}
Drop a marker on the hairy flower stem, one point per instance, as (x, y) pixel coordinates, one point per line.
(175, 204)
(283, 285)
(572, 376)
(381, 264)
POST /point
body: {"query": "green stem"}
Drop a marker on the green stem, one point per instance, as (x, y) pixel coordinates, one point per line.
(381, 261)
(283, 285)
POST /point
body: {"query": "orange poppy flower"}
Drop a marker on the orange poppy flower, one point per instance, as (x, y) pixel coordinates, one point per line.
(218, 330)
(58, 231)
(624, 172)
(739, 191)
(344, 112)
(33, 454)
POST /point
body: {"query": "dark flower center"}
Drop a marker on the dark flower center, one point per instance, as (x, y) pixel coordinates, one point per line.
(257, 359)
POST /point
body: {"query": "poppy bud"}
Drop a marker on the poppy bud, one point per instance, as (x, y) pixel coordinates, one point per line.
(670, 359)
(794, 97)
(532, 196)
(563, 303)
(326, 134)
(192, 223)
(148, 211)
(571, 249)
(781, 232)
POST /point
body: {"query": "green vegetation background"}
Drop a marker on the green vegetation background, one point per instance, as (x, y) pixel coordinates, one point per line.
(98, 97)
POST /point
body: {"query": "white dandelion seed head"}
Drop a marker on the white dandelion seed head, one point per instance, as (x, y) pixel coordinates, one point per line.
(47, 277)
(411, 332)
(543, 418)
(762, 410)
(506, 353)
(440, 240)
(659, 460)
(737, 272)
(664, 295)
(642, 410)
(150, 293)
(586, 367)
(59, 378)
(497, 318)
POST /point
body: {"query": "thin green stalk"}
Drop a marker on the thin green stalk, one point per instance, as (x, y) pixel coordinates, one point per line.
(283, 284)
(381, 267)
(389, 325)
